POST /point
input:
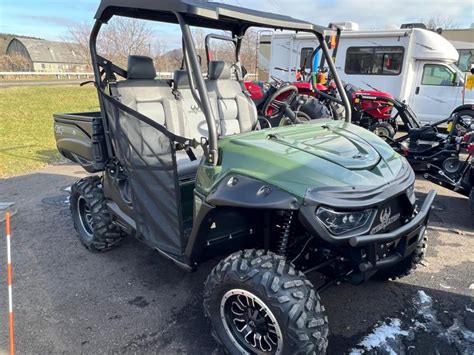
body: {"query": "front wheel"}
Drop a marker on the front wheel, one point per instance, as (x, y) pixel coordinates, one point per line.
(259, 304)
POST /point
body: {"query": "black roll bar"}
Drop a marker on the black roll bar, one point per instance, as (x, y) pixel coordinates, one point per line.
(211, 36)
(201, 87)
(98, 84)
(332, 68)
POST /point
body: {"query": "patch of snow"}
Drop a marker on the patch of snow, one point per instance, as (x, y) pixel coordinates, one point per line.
(445, 286)
(469, 309)
(380, 338)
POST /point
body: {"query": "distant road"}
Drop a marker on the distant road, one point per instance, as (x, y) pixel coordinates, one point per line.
(14, 83)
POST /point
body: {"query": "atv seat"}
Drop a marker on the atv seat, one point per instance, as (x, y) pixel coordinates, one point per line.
(154, 99)
(235, 111)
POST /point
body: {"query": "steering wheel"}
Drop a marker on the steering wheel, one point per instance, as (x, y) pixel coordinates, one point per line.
(279, 101)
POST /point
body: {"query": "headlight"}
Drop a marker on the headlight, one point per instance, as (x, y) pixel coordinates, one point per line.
(343, 222)
(411, 194)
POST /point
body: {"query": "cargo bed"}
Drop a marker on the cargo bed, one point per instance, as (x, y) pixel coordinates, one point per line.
(80, 138)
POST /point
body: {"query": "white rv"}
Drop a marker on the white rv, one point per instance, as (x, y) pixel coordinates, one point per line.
(415, 65)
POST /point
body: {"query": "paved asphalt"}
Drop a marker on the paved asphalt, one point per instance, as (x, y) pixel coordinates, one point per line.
(131, 300)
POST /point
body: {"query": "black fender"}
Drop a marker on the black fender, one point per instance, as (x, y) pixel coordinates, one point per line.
(463, 107)
(242, 191)
(235, 194)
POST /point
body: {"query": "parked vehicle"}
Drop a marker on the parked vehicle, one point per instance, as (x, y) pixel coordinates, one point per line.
(425, 145)
(456, 175)
(186, 169)
(414, 65)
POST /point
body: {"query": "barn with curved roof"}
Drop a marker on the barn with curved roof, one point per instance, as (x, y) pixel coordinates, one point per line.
(47, 56)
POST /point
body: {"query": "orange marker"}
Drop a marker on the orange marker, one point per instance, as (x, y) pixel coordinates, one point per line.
(9, 282)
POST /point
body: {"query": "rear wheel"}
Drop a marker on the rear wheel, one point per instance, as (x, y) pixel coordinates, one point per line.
(92, 219)
(406, 266)
(259, 304)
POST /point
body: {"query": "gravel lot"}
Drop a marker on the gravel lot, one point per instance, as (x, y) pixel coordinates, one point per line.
(131, 300)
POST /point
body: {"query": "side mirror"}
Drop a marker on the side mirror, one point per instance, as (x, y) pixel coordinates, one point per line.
(472, 69)
(244, 71)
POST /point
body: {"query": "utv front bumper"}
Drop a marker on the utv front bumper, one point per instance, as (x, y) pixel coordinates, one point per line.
(408, 237)
(371, 252)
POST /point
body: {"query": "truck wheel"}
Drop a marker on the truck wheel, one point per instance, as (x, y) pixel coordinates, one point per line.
(406, 266)
(383, 129)
(259, 304)
(92, 219)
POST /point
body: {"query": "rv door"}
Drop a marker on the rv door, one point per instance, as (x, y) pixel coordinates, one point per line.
(437, 91)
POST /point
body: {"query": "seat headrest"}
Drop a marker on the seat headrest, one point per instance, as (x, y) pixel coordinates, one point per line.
(218, 69)
(181, 80)
(140, 67)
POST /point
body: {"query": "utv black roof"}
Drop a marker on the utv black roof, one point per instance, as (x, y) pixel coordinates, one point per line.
(202, 14)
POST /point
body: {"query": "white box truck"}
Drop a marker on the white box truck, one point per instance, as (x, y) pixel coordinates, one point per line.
(415, 65)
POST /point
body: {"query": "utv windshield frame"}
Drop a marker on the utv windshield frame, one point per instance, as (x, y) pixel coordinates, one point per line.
(210, 15)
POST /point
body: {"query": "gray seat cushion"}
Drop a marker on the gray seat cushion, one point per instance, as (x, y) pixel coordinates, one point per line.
(154, 99)
(235, 111)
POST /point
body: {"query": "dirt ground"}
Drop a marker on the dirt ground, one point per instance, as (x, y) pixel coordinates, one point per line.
(131, 300)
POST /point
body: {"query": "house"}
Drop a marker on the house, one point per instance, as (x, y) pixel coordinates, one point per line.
(40, 55)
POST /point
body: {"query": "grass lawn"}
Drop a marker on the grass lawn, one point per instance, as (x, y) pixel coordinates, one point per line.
(26, 123)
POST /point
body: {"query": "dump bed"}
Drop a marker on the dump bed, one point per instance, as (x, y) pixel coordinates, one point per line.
(80, 138)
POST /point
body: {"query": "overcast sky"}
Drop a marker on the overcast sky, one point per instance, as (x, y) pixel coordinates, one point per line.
(50, 18)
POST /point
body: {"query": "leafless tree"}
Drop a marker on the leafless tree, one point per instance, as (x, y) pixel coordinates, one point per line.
(439, 21)
(120, 38)
(14, 62)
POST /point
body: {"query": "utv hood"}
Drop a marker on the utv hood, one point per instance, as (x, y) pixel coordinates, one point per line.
(336, 146)
(310, 156)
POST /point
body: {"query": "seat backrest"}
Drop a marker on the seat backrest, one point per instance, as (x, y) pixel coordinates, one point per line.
(235, 111)
(150, 97)
(195, 125)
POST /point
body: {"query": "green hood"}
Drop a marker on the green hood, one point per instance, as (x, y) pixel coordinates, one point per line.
(317, 154)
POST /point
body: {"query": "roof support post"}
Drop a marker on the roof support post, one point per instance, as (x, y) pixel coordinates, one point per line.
(98, 84)
(201, 87)
(332, 68)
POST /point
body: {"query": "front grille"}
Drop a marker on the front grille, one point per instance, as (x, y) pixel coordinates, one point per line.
(389, 217)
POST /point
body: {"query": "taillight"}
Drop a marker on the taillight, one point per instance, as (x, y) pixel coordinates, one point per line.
(466, 138)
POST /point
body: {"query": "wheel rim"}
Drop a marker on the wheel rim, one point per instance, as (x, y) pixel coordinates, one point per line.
(85, 216)
(451, 165)
(382, 132)
(250, 324)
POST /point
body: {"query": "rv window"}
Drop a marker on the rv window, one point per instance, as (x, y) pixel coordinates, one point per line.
(374, 60)
(434, 74)
(466, 59)
(305, 58)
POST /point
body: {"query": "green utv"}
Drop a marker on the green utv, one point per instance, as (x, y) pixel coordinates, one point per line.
(186, 167)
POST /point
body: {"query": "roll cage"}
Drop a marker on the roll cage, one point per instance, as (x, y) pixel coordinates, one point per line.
(198, 13)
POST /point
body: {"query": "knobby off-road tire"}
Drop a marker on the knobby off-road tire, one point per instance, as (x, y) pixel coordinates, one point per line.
(92, 219)
(406, 266)
(271, 282)
(313, 108)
